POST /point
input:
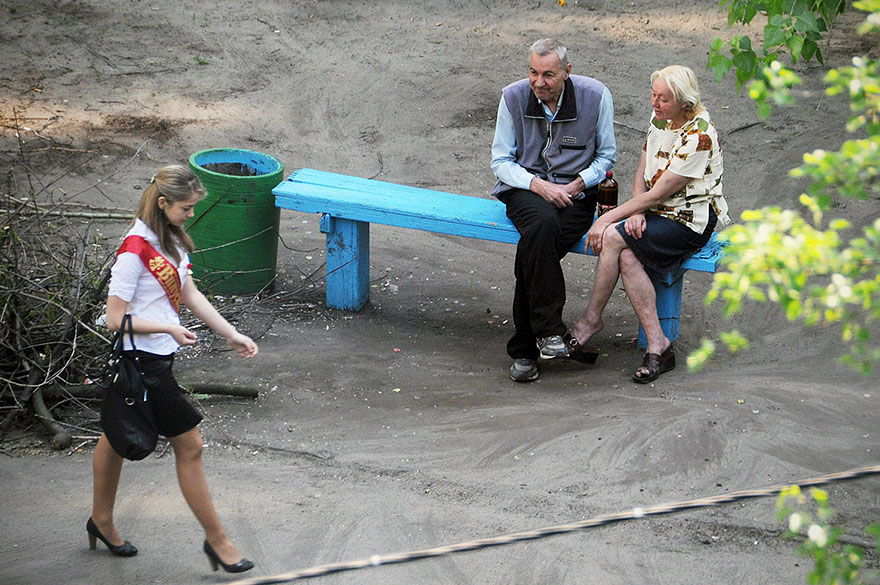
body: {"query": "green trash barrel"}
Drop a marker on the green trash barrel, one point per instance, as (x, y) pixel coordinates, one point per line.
(235, 226)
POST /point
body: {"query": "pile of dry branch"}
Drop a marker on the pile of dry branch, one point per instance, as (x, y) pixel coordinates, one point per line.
(54, 269)
(52, 286)
(55, 256)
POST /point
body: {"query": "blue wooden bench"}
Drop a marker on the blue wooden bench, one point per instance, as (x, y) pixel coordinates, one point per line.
(350, 204)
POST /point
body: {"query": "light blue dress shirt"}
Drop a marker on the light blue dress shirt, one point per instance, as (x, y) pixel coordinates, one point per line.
(504, 163)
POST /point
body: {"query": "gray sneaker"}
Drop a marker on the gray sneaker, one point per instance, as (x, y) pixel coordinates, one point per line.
(524, 370)
(552, 347)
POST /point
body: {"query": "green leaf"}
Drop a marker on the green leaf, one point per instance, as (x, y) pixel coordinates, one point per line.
(750, 13)
(808, 49)
(716, 59)
(797, 8)
(734, 341)
(806, 23)
(795, 45)
(721, 68)
(773, 36)
(742, 76)
(746, 62)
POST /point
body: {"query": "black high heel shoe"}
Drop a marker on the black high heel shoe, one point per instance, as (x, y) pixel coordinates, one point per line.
(126, 549)
(239, 567)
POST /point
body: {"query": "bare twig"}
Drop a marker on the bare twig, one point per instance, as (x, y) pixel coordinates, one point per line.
(744, 127)
(639, 130)
(95, 186)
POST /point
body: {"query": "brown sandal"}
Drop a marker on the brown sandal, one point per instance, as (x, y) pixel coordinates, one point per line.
(655, 365)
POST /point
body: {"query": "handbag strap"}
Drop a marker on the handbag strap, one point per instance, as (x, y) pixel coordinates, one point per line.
(118, 344)
(127, 319)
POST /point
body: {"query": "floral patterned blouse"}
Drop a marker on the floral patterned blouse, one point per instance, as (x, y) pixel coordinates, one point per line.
(690, 151)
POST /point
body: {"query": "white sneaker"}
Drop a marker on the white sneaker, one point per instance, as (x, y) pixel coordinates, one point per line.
(552, 347)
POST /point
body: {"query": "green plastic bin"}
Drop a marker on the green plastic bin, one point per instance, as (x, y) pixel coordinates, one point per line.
(235, 227)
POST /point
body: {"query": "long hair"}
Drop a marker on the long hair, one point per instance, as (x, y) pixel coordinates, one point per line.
(683, 84)
(176, 183)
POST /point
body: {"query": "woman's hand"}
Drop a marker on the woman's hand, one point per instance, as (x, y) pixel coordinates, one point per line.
(182, 335)
(242, 344)
(595, 235)
(635, 225)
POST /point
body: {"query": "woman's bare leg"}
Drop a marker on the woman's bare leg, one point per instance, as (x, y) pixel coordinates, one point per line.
(106, 470)
(607, 273)
(643, 298)
(194, 485)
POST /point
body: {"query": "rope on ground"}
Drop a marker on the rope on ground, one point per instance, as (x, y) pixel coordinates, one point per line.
(602, 520)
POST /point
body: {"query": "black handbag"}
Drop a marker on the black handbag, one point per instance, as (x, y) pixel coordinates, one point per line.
(126, 417)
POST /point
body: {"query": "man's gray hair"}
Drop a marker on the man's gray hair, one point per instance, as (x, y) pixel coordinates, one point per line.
(544, 47)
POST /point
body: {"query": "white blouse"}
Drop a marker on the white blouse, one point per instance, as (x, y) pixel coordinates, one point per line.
(132, 282)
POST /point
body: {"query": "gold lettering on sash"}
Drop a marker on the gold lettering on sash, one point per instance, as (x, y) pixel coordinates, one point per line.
(159, 266)
(167, 276)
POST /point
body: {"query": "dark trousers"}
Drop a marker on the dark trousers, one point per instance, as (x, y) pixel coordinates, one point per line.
(546, 236)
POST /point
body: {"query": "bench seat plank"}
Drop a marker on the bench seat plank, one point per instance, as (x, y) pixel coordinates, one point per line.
(372, 201)
(385, 203)
(350, 204)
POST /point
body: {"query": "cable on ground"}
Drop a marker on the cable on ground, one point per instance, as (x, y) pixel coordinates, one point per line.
(602, 520)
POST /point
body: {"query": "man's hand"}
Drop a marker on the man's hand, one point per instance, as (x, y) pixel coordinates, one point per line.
(558, 195)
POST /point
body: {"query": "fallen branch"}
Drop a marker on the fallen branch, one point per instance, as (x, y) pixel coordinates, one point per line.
(221, 389)
(61, 439)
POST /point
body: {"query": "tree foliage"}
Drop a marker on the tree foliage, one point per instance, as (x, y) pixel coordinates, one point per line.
(819, 270)
(810, 519)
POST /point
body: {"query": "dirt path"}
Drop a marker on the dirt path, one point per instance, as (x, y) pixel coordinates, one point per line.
(397, 428)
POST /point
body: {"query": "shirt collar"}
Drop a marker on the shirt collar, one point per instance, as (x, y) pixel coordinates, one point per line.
(547, 113)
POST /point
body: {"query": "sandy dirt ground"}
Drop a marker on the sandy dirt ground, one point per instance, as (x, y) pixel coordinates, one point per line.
(397, 427)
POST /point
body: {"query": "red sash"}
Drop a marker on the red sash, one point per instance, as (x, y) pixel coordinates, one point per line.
(159, 266)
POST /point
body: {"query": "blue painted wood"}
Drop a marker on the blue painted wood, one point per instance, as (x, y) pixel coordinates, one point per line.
(350, 204)
(348, 262)
(668, 288)
(373, 201)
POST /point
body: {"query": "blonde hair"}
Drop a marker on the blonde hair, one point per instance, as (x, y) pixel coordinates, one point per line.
(682, 82)
(176, 183)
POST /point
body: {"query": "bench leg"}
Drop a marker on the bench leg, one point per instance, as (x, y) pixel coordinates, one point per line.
(668, 288)
(348, 262)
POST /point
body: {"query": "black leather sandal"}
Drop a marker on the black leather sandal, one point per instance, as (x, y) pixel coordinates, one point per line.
(579, 353)
(655, 364)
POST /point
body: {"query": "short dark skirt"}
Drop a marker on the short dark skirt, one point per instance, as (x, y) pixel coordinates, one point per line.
(666, 244)
(173, 413)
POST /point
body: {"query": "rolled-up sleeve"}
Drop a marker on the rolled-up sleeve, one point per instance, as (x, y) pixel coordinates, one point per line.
(124, 276)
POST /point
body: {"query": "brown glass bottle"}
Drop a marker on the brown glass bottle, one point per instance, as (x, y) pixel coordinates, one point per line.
(607, 199)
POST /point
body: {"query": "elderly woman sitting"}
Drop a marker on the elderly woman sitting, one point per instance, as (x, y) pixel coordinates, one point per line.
(676, 203)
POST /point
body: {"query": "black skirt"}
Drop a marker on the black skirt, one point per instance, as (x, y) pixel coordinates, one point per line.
(172, 412)
(666, 244)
